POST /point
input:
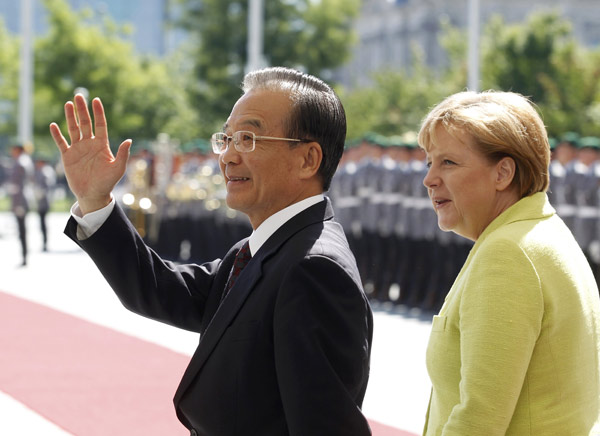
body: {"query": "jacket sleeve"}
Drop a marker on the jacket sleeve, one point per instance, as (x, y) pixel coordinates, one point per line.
(501, 314)
(322, 334)
(144, 283)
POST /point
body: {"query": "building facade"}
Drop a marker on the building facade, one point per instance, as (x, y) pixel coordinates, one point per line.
(147, 18)
(388, 29)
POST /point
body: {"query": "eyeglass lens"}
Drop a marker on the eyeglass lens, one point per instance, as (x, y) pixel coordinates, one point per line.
(242, 140)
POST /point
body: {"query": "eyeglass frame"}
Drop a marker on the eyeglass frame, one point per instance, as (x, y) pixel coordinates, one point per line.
(219, 151)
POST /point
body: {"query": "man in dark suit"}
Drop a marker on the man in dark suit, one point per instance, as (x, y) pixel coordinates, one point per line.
(284, 350)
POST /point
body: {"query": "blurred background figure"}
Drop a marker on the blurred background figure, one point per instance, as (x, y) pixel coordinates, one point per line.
(44, 179)
(18, 183)
(585, 175)
(561, 192)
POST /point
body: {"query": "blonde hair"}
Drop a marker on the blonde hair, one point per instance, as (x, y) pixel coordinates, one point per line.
(501, 124)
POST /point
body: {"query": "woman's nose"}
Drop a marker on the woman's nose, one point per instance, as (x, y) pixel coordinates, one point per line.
(430, 179)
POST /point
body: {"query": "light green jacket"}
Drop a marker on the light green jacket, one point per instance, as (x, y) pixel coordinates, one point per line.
(515, 349)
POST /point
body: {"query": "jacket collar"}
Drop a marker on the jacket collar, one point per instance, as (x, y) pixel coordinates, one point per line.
(533, 207)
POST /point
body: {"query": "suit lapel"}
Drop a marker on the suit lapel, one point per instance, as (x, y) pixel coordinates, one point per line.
(234, 301)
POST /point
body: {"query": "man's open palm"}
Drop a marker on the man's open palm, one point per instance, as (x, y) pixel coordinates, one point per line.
(91, 169)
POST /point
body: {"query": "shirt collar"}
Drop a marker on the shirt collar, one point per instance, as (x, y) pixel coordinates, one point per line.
(275, 221)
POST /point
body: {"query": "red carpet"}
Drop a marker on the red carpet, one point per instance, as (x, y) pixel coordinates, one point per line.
(91, 380)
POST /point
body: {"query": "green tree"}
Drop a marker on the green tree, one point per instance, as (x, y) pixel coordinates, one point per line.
(572, 95)
(541, 59)
(143, 96)
(515, 57)
(9, 86)
(312, 35)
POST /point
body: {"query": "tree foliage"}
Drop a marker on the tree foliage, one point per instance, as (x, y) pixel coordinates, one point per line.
(142, 95)
(9, 81)
(312, 35)
(541, 59)
(516, 57)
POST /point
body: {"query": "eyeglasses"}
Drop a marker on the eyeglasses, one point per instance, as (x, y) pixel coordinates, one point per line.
(243, 141)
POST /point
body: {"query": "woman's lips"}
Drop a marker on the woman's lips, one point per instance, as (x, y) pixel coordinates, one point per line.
(439, 203)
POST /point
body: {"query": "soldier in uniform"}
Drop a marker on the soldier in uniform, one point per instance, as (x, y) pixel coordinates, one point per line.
(561, 192)
(19, 179)
(344, 194)
(403, 207)
(420, 235)
(368, 177)
(395, 187)
(44, 181)
(587, 172)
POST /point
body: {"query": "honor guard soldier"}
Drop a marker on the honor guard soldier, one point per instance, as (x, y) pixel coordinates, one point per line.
(561, 192)
(587, 170)
(344, 194)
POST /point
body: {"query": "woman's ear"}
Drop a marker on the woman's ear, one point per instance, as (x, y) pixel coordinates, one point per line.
(311, 159)
(505, 173)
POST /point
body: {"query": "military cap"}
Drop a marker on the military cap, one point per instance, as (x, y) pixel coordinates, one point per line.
(370, 137)
(381, 140)
(351, 143)
(395, 141)
(571, 137)
(590, 142)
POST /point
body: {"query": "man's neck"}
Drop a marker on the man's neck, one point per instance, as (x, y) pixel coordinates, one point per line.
(275, 221)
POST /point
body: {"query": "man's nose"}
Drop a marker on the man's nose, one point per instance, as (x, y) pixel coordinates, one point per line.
(230, 154)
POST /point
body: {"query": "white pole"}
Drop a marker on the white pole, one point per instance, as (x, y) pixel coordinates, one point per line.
(473, 69)
(25, 128)
(255, 35)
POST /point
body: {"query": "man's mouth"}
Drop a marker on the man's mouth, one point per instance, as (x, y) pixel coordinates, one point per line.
(237, 179)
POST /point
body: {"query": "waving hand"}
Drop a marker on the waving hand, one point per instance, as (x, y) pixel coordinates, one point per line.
(91, 169)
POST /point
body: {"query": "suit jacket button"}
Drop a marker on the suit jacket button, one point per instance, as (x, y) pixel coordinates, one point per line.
(193, 432)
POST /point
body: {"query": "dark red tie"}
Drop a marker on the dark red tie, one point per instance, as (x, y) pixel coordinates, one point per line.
(242, 258)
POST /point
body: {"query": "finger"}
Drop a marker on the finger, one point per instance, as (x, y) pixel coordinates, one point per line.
(85, 121)
(58, 137)
(100, 126)
(123, 155)
(72, 125)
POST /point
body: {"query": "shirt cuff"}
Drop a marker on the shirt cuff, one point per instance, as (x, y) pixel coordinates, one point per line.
(89, 223)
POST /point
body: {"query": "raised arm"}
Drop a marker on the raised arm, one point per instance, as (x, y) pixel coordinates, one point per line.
(91, 169)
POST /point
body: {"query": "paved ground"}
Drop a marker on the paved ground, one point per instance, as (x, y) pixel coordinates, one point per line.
(65, 279)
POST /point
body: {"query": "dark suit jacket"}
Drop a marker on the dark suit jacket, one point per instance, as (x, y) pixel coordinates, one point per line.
(287, 352)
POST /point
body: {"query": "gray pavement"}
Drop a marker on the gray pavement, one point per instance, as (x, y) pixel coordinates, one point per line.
(65, 279)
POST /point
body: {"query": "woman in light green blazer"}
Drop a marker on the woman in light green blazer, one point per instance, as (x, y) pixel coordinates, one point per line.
(515, 349)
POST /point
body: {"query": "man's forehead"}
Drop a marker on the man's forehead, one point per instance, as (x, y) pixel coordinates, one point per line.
(260, 109)
(249, 122)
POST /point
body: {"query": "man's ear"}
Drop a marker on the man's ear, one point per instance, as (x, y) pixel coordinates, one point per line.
(312, 156)
(505, 173)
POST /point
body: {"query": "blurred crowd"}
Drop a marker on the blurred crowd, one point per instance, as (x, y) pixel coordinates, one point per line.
(176, 199)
